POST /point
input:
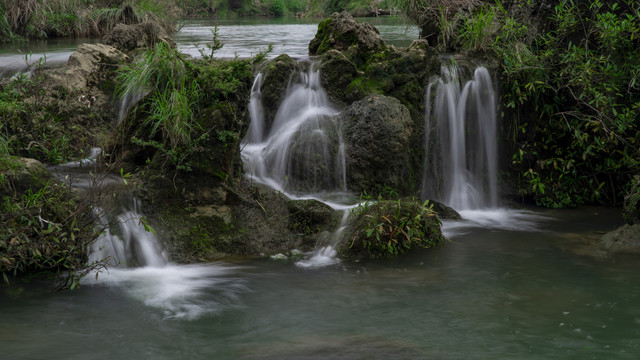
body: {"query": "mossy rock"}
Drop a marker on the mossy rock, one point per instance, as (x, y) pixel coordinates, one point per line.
(308, 217)
(389, 228)
(377, 131)
(277, 74)
(341, 32)
(18, 174)
(337, 74)
(625, 239)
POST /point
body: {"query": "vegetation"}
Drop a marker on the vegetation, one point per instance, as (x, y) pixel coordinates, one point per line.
(386, 228)
(38, 19)
(570, 88)
(179, 91)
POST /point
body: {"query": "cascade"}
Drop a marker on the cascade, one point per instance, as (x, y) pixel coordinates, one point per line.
(301, 150)
(129, 99)
(460, 166)
(326, 255)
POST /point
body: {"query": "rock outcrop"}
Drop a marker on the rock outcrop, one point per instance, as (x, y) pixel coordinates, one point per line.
(341, 32)
(377, 132)
(127, 38)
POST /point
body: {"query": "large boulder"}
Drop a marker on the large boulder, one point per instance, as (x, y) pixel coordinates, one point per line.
(340, 78)
(131, 37)
(90, 66)
(341, 32)
(18, 174)
(377, 130)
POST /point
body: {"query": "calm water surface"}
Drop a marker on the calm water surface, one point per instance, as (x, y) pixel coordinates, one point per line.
(241, 37)
(489, 294)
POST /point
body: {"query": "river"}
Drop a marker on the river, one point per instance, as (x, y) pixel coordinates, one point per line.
(509, 285)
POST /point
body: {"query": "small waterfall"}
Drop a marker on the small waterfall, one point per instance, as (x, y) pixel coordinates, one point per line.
(129, 98)
(130, 243)
(460, 166)
(327, 255)
(302, 150)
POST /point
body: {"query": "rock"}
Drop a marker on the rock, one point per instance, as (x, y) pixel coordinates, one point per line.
(277, 74)
(388, 228)
(20, 174)
(310, 216)
(337, 74)
(624, 239)
(90, 65)
(127, 38)
(341, 32)
(443, 211)
(377, 130)
(631, 206)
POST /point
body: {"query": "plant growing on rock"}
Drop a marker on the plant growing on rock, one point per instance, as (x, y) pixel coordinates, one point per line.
(387, 228)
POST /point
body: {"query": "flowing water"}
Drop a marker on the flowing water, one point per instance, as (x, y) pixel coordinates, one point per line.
(509, 285)
(242, 37)
(461, 139)
(489, 294)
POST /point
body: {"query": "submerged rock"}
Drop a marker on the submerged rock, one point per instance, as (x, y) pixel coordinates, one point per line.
(377, 131)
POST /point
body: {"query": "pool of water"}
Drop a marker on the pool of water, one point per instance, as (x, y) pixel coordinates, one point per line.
(490, 293)
(242, 37)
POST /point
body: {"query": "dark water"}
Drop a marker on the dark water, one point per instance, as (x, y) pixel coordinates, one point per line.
(489, 294)
(242, 37)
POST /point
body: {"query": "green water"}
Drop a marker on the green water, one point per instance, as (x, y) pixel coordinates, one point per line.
(489, 294)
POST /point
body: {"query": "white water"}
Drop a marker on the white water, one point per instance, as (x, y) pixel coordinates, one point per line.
(327, 255)
(461, 140)
(301, 150)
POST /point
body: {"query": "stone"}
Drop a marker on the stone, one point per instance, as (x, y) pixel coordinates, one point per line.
(377, 130)
(341, 32)
(127, 38)
(277, 74)
(625, 239)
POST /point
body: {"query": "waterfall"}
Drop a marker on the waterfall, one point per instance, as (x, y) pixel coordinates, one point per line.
(130, 244)
(302, 150)
(131, 97)
(326, 255)
(460, 166)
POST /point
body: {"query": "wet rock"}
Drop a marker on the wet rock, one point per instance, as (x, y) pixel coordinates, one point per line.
(389, 228)
(310, 216)
(277, 74)
(377, 130)
(341, 32)
(625, 239)
(131, 37)
(443, 211)
(338, 74)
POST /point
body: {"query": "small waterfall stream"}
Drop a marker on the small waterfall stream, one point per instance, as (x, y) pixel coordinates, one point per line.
(461, 152)
(301, 150)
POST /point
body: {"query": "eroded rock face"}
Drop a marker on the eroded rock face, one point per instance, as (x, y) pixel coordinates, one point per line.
(130, 37)
(90, 66)
(377, 131)
(341, 32)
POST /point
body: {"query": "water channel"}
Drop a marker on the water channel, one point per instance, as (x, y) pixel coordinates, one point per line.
(526, 284)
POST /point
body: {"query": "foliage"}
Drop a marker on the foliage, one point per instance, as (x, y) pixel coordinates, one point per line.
(388, 228)
(178, 91)
(32, 124)
(45, 230)
(581, 79)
